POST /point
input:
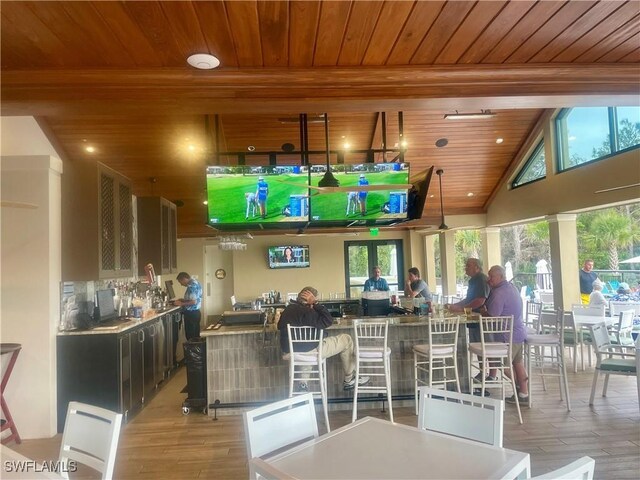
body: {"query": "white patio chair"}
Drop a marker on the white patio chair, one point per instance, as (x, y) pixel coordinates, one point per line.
(584, 337)
(616, 307)
(552, 326)
(497, 355)
(373, 359)
(461, 415)
(278, 425)
(581, 469)
(438, 355)
(546, 298)
(612, 359)
(307, 368)
(532, 317)
(90, 437)
(621, 334)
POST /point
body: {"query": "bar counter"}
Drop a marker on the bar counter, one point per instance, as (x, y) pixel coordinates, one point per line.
(245, 365)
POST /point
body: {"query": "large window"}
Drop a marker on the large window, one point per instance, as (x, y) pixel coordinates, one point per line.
(591, 133)
(362, 256)
(534, 168)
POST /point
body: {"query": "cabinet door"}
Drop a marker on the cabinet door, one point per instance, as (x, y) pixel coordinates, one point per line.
(136, 342)
(149, 366)
(125, 234)
(107, 238)
(125, 374)
(164, 237)
(173, 236)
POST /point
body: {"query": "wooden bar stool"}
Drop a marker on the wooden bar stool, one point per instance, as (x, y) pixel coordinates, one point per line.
(9, 424)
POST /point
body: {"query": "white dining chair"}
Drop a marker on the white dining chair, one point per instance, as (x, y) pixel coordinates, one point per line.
(615, 307)
(90, 437)
(581, 469)
(435, 362)
(611, 359)
(622, 333)
(373, 359)
(307, 368)
(278, 425)
(494, 354)
(545, 352)
(462, 415)
(531, 319)
(584, 337)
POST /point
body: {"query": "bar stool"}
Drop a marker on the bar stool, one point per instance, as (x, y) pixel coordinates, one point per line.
(9, 424)
(373, 359)
(306, 365)
(432, 357)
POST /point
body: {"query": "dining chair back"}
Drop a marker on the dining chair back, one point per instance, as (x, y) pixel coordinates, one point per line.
(90, 437)
(532, 318)
(546, 298)
(462, 415)
(612, 359)
(307, 367)
(581, 469)
(373, 359)
(278, 425)
(616, 307)
(436, 363)
(622, 335)
(588, 310)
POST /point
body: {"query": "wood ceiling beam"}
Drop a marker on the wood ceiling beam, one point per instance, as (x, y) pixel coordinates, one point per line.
(271, 90)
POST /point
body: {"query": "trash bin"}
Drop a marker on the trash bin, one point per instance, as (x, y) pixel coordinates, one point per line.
(195, 354)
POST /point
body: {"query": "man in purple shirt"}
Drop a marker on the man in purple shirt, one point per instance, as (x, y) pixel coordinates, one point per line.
(504, 300)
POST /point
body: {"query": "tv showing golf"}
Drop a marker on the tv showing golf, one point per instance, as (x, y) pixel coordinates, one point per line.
(361, 204)
(257, 194)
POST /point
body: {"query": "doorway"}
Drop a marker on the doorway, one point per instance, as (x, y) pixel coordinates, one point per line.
(361, 256)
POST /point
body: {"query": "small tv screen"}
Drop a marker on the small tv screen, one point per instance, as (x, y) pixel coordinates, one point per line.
(289, 256)
(257, 194)
(361, 205)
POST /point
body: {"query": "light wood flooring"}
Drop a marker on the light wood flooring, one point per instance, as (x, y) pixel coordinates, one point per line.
(161, 442)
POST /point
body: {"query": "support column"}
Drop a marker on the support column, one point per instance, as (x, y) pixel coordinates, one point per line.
(448, 262)
(563, 241)
(491, 254)
(430, 261)
(416, 252)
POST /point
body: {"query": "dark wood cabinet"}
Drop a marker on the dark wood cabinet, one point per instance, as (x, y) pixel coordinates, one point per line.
(157, 235)
(97, 222)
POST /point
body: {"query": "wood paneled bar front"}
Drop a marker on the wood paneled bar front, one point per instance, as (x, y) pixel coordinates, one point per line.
(245, 365)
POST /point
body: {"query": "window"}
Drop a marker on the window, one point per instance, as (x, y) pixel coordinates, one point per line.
(362, 256)
(591, 133)
(534, 169)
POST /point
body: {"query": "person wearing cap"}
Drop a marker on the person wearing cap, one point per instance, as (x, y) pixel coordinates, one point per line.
(362, 195)
(596, 297)
(305, 311)
(624, 294)
(262, 192)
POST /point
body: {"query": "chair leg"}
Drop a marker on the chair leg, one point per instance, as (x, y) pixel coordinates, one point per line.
(415, 377)
(606, 385)
(291, 374)
(528, 355)
(387, 379)
(563, 371)
(593, 386)
(355, 392)
(455, 369)
(581, 356)
(323, 391)
(575, 358)
(515, 394)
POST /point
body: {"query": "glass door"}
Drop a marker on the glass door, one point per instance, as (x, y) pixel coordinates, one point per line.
(362, 256)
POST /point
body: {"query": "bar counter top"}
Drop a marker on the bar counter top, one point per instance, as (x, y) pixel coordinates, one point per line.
(123, 325)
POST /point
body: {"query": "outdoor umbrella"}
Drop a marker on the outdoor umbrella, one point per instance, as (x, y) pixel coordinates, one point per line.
(631, 260)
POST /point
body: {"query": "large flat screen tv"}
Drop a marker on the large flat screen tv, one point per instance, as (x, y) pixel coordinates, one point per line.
(289, 256)
(257, 195)
(375, 205)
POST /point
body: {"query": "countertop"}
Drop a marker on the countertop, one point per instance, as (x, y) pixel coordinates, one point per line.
(121, 327)
(342, 323)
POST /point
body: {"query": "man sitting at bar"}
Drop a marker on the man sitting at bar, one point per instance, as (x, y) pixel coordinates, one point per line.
(305, 311)
(376, 282)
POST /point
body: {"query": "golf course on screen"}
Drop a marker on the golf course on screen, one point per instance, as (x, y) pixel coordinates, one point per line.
(340, 206)
(232, 198)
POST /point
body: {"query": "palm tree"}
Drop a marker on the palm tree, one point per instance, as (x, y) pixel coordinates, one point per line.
(610, 231)
(469, 243)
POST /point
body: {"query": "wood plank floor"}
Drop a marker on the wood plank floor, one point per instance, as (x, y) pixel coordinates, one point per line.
(161, 442)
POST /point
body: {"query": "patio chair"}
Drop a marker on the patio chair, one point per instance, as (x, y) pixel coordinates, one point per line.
(581, 469)
(278, 425)
(532, 317)
(462, 415)
(621, 333)
(612, 359)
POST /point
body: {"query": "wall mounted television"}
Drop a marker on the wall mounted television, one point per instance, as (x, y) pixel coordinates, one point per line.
(248, 195)
(359, 205)
(288, 256)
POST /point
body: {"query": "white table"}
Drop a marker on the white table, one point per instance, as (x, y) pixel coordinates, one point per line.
(16, 465)
(374, 448)
(586, 321)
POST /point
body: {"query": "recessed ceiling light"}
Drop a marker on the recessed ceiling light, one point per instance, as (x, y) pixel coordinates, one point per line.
(251, 148)
(205, 202)
(499, 140)
(203, 61)
(431, 196)
(404, 144)
(442, 142)
(90, 149)
(470, 194)
(347, 145)
(191, 148)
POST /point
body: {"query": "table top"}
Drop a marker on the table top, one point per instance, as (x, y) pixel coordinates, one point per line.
(374, 448)
(587, 320)
(16, 465)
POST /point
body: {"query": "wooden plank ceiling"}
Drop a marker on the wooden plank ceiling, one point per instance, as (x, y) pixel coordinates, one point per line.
(113, 75)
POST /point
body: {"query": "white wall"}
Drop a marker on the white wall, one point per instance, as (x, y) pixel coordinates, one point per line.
(30, 271)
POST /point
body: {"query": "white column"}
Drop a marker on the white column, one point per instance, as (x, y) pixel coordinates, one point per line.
(430, 261)
(563, 241)
(31, 273)
(491, 254)
(448, 262)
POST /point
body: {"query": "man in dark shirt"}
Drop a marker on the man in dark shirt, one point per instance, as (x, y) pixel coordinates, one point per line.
(587, 277)
(307, 312)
